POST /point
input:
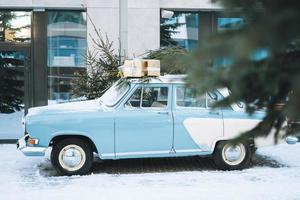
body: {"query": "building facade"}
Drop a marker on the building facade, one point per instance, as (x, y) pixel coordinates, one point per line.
(47, 40)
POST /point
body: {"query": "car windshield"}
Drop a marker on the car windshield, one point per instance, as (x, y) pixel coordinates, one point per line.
(113, 95)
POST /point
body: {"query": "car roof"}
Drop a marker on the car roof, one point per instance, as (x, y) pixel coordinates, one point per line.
(178, 79)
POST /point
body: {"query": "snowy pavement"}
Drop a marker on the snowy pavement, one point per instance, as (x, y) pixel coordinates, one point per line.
(274, 175)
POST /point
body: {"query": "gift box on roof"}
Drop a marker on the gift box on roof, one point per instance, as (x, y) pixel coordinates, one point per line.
(140, 68)
(152, 67)
(133, 68)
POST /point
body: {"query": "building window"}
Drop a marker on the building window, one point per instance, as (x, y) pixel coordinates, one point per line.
(229, 23)
(180, 29)
(66, 32)
(15, 26)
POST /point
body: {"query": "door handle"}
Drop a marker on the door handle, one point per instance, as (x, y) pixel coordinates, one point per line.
(163, 112)
(214, 113)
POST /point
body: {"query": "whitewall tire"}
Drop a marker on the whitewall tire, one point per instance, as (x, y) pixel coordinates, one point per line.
(72, 156)
(229, 156)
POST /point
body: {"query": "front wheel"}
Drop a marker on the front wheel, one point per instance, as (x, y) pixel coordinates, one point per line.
(72, 156)
(232, 157)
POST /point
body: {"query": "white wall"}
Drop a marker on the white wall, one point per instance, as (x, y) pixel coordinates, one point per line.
(22, 4)
(105, 15)
(143, 26)
(190, 4)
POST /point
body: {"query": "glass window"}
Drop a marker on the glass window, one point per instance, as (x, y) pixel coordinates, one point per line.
(156, 97)
(115, 93)
(152, 97)
(66, 38)
(181, 29)
(66, 32)
(15, 26)
(187, 97)
(212, 98)
(225, 23)
(135, 99)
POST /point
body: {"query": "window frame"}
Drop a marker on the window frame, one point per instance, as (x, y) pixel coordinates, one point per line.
(138, 86)
(192, 108)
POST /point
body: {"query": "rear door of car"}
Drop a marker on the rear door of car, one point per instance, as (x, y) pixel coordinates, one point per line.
(196, 124)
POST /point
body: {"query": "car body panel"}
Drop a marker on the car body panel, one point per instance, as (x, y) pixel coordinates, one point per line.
(143, 130)
(94, 123)
(121, 132)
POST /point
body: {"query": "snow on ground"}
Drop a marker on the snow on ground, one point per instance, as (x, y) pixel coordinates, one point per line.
(11, 125)
(275, 175)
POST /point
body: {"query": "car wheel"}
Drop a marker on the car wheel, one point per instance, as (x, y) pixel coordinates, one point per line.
(72, 156)
(232, 157)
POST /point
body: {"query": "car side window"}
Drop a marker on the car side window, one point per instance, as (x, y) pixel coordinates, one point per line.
(155, 97)
(135, 99)
(187, 97)
(212, 98)
(149, 97)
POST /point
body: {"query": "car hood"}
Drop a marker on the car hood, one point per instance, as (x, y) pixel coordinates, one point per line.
(81, 106)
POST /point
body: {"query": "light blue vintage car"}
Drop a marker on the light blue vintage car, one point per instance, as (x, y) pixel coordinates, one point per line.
(140, 118)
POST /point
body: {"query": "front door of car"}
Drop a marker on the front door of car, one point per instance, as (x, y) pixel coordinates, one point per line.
(144, 126)
(196, 124)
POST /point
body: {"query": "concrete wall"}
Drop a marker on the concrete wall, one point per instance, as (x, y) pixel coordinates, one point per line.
(142, 18)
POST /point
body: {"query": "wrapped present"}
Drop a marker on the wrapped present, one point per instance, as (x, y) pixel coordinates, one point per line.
(140, 68)
(133, 68)
(152, 67)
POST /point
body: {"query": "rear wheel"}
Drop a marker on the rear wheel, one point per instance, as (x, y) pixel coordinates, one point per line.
(232, 157)
(72, 156)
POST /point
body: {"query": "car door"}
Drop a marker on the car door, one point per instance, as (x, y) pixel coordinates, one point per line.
(196, 125)
(144, 126)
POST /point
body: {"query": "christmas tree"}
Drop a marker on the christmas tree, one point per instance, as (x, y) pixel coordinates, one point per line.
(262, 58)
(11, 82)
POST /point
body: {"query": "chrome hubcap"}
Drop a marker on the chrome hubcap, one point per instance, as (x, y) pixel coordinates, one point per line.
(234, 154)
(72, 157)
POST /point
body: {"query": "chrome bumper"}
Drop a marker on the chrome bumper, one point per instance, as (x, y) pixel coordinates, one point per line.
(29, 150)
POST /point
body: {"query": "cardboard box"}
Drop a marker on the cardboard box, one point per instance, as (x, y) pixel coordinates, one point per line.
(140, 68)
(133, 68)
(153, 67)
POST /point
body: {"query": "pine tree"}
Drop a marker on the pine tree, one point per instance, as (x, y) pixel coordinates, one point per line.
(168, 28)
(169, 58)
(102, 69)
(11, 93)
(11, 82)
(270, 82)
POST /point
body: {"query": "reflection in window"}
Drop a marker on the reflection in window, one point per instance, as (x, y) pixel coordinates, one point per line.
(66, 32)
(135, 99)
(181, 29)
(225, 23)
(149, 97)
(66, 39)
(187, 97)
(12, 81)
(155, 97)
(15, 26)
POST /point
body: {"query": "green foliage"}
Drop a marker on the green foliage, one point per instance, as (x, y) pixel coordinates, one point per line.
(6, 26)
(11, 92)
(262, 84)
(102, 69)
(166, 31)
(11, 82)
(169, 58)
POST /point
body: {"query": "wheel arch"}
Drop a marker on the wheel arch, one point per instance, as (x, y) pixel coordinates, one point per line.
(58, 138)
(215, 143)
